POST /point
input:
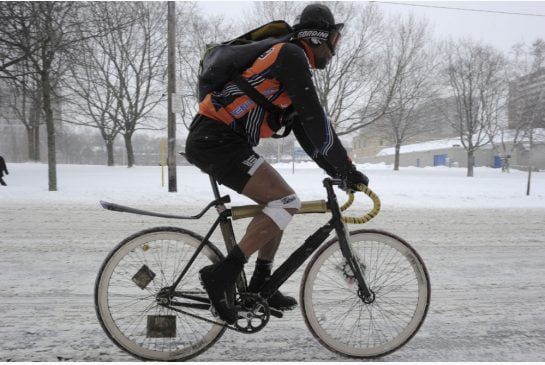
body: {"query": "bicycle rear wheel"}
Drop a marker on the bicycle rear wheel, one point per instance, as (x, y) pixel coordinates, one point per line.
(126, 295)
(337, 316)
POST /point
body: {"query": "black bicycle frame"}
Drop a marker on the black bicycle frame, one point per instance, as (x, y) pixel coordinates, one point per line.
(297, 258)
(312, 243)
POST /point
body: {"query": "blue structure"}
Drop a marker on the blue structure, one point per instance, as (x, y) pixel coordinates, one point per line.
(497, 162)
(440, 160)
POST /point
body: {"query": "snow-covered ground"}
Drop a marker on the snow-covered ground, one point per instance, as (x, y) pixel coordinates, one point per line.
(482, 239)
(430, 187)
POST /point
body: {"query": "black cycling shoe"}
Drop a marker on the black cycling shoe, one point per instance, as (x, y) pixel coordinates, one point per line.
(219, 292)
(219, 282)
(278, 300)
(282, 302)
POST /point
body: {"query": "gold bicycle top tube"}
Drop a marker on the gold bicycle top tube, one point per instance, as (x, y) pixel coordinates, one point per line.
(247, 211)
(317, 206)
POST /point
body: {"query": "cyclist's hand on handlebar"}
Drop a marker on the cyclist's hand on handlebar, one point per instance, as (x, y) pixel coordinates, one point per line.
(352, 178)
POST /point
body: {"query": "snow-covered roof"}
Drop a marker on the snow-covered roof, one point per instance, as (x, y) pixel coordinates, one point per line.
(424, 146)
(539, 136)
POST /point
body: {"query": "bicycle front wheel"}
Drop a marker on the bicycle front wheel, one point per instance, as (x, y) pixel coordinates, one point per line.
(126, 292)
(339, 318)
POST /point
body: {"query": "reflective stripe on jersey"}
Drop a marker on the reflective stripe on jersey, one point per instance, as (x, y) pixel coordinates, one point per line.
(231, 106)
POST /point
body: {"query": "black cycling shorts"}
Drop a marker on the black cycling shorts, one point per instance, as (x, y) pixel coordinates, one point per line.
(219, 151)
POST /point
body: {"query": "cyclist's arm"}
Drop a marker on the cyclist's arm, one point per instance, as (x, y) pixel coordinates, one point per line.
(293, 72)
(309, 148)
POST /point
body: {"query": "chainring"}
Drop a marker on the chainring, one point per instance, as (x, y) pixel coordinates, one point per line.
(253, 313)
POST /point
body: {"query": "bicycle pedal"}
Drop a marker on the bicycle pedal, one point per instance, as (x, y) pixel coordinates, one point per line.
(276, 313)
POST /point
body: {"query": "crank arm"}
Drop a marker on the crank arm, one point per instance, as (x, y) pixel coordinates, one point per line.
(276, 313)
(273, 312)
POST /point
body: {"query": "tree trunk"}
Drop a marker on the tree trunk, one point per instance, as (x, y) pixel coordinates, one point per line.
(129, 149)
(529, 183)
(50, 125)
(110, 152)
(396, 161)
(30, 142)
(530, 148)
(505, 164)
(35, 122)
(470, 163)
(36, 134)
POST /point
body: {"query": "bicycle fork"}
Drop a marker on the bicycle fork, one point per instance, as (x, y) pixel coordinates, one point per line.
(366, 294)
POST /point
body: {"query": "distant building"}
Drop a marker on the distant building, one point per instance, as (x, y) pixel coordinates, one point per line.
(438, 143)
(449, 152)
(527, 100)
(433, 124)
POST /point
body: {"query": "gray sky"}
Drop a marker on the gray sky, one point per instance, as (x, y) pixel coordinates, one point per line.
(500, 30)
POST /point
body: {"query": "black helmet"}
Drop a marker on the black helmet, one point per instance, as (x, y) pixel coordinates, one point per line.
(317, 25)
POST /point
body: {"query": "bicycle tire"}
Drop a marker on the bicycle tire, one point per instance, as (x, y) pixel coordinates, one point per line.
(117, 290)
(329, 291)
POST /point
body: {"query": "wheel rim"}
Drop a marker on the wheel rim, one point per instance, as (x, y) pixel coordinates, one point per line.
(337, 315)
(125, 308)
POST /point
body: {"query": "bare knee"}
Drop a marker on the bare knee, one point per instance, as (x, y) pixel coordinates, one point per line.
(281, 211)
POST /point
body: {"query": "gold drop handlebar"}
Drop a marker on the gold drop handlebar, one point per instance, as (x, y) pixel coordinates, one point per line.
(317, 206)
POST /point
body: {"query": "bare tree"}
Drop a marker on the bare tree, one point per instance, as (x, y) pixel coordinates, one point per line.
(48, 32)
(95, 105)
(18, 38)
(526, 99)
(414, 64)
(25, 104)
(55, 26)
(513, 130)
(357, 86)
(93, 83)
(538, 54)
(192, 39)
(474, 74)
(137, 53)
(268, 11)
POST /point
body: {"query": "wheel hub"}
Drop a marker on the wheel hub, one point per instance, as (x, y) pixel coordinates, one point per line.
(367, 299)
(164, 297)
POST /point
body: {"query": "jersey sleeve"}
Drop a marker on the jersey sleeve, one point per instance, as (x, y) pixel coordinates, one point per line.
(293, 71)
(309, 148)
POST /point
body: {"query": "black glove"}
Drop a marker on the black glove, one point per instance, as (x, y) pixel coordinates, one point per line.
(353, 177)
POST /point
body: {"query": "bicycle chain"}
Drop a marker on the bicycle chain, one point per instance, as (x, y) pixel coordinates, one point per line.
(231, 327)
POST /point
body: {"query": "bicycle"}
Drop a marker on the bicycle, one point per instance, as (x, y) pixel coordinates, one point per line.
(364, 294)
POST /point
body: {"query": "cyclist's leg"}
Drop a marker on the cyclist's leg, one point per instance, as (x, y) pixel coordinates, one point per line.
(263, 233)
(265, 186)
(268, 251)
(228, 157)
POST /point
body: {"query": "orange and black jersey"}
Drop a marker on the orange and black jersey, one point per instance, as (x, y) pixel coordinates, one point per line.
(282, 74)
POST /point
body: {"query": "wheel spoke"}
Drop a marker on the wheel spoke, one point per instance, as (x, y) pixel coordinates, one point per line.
(340, 318)
(132, 315)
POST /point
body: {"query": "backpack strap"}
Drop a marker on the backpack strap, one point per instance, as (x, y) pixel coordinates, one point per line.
(287, 131)
(258, 98)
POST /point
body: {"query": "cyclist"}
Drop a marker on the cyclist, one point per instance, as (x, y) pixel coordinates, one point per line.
(3, 168)
(229, 124)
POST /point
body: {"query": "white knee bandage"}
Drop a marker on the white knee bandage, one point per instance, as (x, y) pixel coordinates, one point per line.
(276, 210)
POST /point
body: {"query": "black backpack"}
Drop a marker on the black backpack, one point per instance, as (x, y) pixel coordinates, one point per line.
(226, 61)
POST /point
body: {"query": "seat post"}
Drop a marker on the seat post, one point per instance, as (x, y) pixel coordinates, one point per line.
(215, 188)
